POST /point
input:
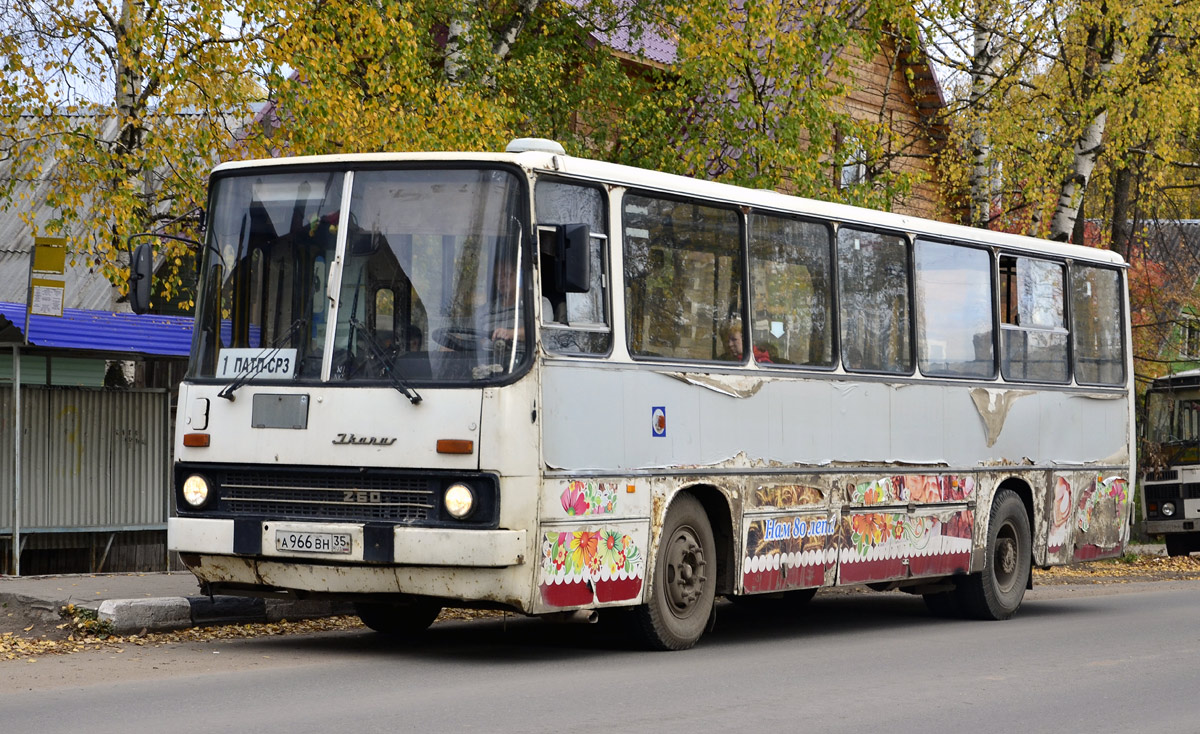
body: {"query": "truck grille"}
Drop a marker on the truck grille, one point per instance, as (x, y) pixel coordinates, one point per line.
(357, 497)
(1165, 492)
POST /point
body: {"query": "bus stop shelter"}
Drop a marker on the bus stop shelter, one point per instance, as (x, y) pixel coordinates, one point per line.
(80, 458)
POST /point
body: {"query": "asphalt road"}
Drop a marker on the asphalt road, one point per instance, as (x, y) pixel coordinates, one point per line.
(1119, 658)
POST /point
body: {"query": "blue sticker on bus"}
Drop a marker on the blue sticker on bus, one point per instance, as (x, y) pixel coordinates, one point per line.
(658, 421)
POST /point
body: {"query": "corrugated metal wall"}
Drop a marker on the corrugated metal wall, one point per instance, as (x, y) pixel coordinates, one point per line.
(66, 371)
(90, 459)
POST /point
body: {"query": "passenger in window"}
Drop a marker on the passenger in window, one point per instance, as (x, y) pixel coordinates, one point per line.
(733, 343)
(504, 305)
(414, 338)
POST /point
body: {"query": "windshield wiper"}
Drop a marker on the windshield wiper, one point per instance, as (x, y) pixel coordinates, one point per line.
(385, 364)
(251, 370)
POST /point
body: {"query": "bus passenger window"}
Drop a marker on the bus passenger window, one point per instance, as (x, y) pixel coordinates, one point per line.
(954, 310)
(791, 290)
(573, 323)
(873, 298)
(1033, 335)
(1097, 331)
(683, 278)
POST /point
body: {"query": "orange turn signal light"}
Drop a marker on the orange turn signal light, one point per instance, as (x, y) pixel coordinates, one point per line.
(196, 440)
(455, 446)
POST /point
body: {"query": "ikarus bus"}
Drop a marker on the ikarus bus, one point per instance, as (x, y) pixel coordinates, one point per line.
(553, 385)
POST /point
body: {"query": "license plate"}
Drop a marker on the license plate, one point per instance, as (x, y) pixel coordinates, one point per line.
(288, 540)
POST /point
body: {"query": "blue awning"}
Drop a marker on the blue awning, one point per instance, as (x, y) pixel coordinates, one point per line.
(102, 331)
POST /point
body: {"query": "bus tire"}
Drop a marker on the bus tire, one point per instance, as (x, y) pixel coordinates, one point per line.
(684, 585)
(398, 620)
(1178, 545)
(996, 591)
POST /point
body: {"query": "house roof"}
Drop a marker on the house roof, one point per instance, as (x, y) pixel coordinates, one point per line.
(101, 331)
(660, 48)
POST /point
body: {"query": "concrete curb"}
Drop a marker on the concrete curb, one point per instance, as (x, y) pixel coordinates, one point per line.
(163, 614)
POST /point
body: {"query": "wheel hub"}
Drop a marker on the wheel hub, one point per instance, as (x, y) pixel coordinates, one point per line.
(1005, 560)
(685, 572)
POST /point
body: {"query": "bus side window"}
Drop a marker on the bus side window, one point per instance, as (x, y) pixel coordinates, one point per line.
(1033, 334)
(683, 278)
(873, 297)
(791, 290)
(954, 310)
(573, 323)
(1097, 328)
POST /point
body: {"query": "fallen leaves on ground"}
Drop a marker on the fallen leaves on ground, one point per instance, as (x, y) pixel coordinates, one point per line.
(1123, 570)
(13, 647)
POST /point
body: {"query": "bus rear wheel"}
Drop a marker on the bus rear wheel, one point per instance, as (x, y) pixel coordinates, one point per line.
(398, 620)
(997, 591)
(684, 583)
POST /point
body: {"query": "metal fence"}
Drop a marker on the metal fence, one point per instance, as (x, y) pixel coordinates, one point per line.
(91, 460)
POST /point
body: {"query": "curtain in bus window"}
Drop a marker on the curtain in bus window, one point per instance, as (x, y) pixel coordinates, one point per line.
(573, 322)
(1039, 294)
(873, 299)
(683, 278)
(1096, 325)
(954, 310)
(791, 291)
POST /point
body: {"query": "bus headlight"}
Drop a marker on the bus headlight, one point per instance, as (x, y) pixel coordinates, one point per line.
(459, 501)
(1168, 509)
(195, 490)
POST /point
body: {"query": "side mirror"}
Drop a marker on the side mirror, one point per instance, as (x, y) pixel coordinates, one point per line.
(141, 274)
(573, 258)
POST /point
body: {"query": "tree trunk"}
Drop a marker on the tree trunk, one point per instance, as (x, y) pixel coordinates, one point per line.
(1122, 187)
(982, 76)
(1090, 141)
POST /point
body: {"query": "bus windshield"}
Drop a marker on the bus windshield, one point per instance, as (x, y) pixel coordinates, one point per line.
(428, 289)
(1173, 416)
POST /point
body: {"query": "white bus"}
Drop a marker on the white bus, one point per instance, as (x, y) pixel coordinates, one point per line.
(1171, 462)
(555, 385)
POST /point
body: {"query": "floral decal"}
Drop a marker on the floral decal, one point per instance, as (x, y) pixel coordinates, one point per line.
(913, 488)
(868, 530)
(587, 566)
(589, 498)
(1102, 491)
(590, 553)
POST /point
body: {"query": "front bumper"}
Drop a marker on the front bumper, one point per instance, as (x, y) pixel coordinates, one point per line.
(1161, 527)
(409, 546)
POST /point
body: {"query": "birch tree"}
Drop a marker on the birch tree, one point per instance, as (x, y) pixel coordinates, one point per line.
(115, 108)
(1091, 138)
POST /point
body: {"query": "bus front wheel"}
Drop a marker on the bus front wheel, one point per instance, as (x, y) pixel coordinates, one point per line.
(1178, 545)
(684, 584)
(398, 620)
(997, 591)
